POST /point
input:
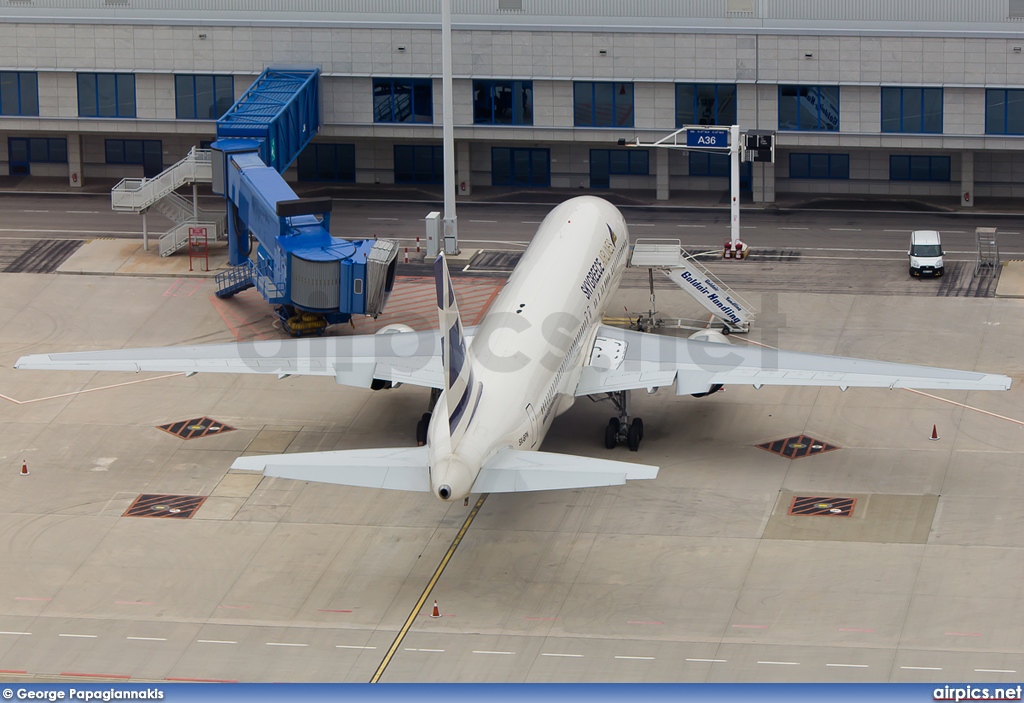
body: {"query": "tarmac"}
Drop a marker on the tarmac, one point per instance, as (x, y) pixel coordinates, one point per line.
(704, 574)
(678, 199)
(1011, 280)
(713, 572)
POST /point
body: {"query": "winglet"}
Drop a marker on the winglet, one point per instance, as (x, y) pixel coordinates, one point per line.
(458, 374)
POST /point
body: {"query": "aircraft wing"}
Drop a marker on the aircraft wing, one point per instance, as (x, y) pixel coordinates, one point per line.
(405, 469)
(625, 360)
(401, 357)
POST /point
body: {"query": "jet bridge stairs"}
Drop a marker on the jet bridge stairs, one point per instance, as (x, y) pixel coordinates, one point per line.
(140, 195)
(668, 257)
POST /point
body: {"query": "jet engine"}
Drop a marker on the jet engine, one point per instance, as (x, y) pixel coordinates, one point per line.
(378, 384)
(713, 337)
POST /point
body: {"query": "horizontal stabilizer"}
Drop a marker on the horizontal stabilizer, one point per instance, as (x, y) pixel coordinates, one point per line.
(512, 471)
(400, 469)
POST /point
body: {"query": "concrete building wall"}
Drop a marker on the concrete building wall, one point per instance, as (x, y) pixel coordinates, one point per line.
(652, 56)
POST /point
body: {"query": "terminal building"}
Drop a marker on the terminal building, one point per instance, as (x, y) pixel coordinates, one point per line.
(905, 98)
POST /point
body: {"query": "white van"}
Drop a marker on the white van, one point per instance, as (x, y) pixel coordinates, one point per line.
(925, 253)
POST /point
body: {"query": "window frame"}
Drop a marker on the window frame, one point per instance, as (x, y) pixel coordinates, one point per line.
(436, 157)
(318, 153)
(415, 87)
(1005, 116)
(715, 164)
(616, 88)
(695, 98)
(902, 93)
(21, 110)
(217, 82)
(514, 86)
(50, 143)
(833, 163)
(531, 153)
(124, 161)
(933, 159)
(803, 90)
(118, 100)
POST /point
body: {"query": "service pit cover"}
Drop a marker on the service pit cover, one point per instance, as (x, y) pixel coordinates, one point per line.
(162, 505)
(195, 428)
(798, 447)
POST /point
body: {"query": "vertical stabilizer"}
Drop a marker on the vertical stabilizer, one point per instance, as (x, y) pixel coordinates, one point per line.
(458, 375)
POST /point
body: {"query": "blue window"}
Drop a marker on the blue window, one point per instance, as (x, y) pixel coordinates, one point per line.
(38, 150)
(1004, 111)
(19, 93)
(819, 166)
(328, 162)
(520, 167)
(503, 102)
(21, 151)
(705, 104)
(147, 153)
(419, 163)
(106, 95)
(603, 104)
(915, 110)
(403, 100)
(203, 97)
(918, 168)
(809, 108)
(617, 162)
(710, 164)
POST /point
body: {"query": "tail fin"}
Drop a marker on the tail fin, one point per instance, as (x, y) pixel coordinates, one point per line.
(458, 374)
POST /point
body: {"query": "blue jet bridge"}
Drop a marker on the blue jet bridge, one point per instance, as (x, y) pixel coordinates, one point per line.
(314, 279)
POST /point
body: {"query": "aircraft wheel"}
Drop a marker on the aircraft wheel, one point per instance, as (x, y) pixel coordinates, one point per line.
(633, 437)
(637, 422)
(611, 435)
(613, 422)
(421, 433)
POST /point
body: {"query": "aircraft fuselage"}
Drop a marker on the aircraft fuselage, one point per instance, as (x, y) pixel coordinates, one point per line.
(527, 354)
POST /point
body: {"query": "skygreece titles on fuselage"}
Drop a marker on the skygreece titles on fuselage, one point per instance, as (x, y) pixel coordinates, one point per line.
(600, 265)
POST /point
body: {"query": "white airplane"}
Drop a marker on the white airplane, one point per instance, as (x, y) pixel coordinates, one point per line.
(540, 346)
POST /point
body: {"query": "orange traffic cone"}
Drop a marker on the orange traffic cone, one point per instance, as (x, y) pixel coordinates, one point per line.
(935, 433)
(24, 469)
(435, 613)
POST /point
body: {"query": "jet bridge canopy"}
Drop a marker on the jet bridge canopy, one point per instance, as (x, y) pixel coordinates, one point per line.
(281, 109)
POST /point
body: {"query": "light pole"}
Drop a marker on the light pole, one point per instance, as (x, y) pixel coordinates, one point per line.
(451, 225)
(700, 138)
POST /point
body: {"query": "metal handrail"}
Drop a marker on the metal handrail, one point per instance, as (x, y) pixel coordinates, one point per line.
(123, 196)
(265, 284)
(176, 237)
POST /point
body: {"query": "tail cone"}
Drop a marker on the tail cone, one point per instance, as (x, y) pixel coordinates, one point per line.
(935, 433)
(24, 469)
(435, 613)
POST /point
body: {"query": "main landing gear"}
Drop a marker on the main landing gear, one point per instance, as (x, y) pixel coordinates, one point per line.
(619, 428)
(424, 422)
